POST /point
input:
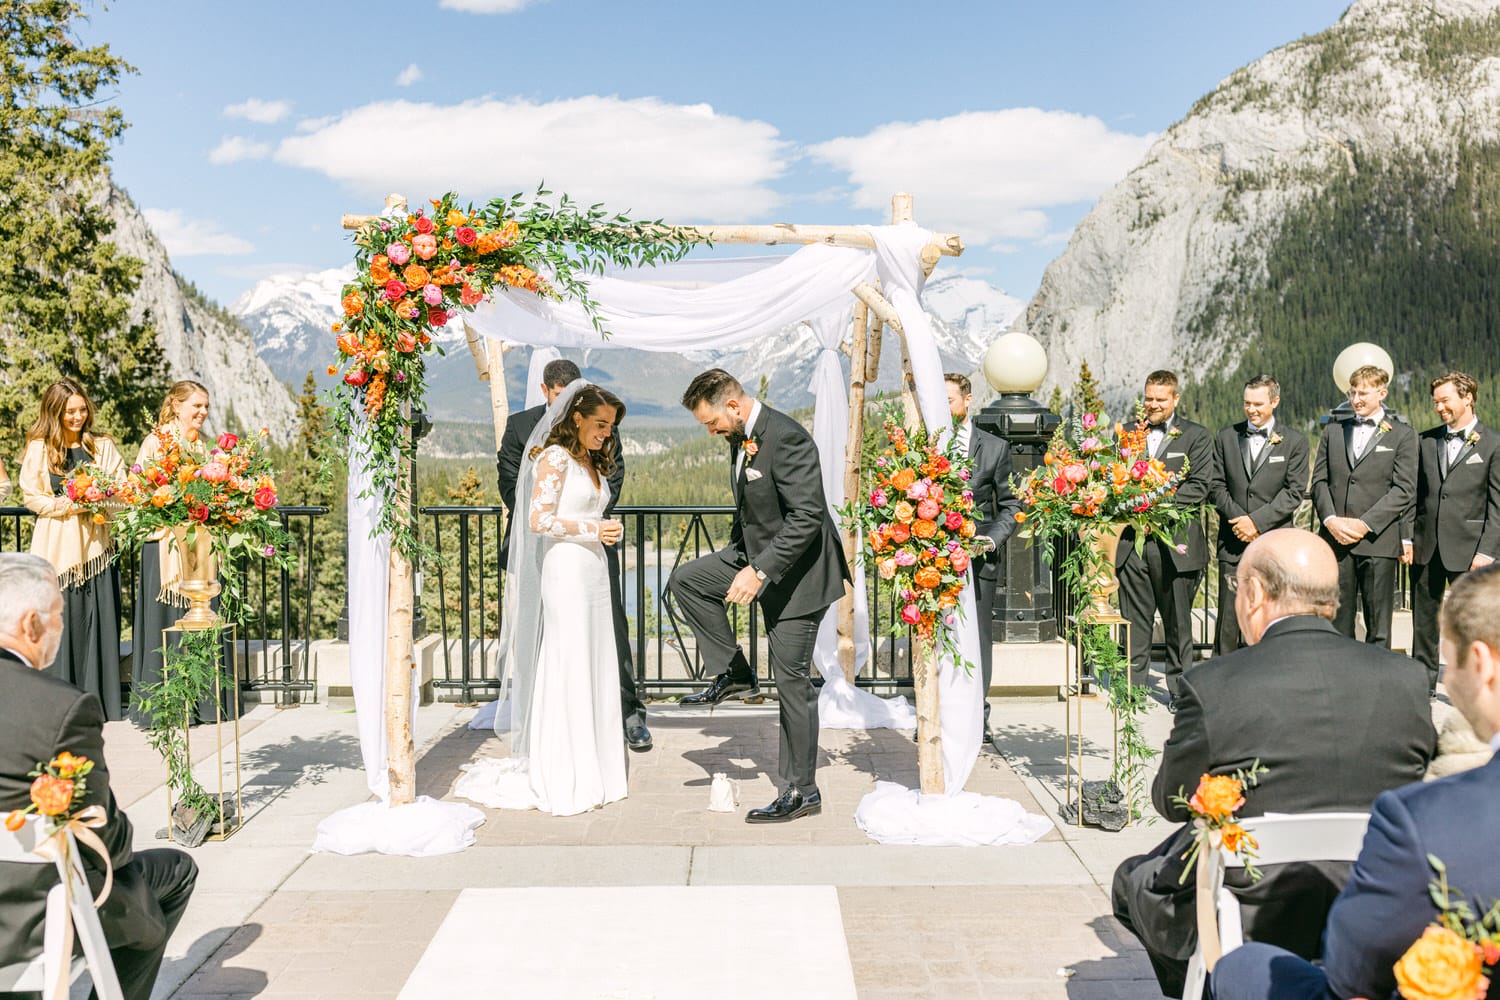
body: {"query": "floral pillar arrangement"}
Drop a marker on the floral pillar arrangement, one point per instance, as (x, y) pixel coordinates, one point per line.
(1097, 479)
(917, 521)
(414, 274)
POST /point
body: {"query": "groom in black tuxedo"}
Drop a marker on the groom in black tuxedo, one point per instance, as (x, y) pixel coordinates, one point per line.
(783, 552)
(557, 376)
(1456, 524)
(40, 717)
(1260, 478)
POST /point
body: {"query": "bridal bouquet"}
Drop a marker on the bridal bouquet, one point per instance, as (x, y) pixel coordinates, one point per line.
(1450, 960)
(918, 525)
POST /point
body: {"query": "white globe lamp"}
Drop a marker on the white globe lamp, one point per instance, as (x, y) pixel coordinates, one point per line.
(1358, 356)
(1015, 364)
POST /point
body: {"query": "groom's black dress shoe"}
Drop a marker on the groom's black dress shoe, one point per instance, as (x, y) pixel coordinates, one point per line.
(788, 806)
(723, 687)
(638, 738)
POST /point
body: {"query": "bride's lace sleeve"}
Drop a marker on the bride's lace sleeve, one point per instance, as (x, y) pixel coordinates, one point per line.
(551, 470)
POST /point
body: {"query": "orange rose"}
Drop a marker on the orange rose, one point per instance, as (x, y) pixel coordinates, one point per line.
(162, 496)
(455, 217)
(415, 276)
(1218, 796)
(1235, 837)
(1440, 965)
(903, 479)
(354, 304)
(904, 512)
(924, 528)
(52, 796)
(68, 765)
(380, 269)
(348, 343)
(947, 601)
(928, 578)
(967, 530)
(486, 244)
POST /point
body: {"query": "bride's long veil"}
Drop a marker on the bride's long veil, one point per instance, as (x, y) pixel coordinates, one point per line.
(521, 631)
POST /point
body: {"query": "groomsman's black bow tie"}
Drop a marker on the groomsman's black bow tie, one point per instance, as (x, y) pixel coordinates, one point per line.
(1257, 432)
(1364, 421)
(1455, 435)
(1158, 428)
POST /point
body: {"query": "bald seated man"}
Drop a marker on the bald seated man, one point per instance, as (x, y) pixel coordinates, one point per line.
(1335, 722)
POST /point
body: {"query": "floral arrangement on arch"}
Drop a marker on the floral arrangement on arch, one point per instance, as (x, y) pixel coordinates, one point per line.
(1454, 956)
(228, 487)
(919, 531)
(416, 273)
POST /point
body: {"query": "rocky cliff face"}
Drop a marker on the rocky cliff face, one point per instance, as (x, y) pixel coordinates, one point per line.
(200, 340)
(1158, 273)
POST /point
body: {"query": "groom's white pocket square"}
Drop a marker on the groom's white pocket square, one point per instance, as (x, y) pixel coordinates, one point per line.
(1276, 458)
(1474, 460)
(753, 474)
(1381, 447)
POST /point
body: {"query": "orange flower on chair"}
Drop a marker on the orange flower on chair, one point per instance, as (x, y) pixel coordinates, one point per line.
(1441, 965)
(1218, 796)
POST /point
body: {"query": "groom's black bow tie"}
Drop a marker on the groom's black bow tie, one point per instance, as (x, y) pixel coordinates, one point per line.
(1455, 435)
(1256, 432)
(1158, 428)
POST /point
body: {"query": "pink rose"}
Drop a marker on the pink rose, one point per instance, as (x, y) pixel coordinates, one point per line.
(878, 498)
(425, 246)
(928, 509)
(398, 253)
(424, 224)
(953, 521)
(1090, 421)
(227, 441)
(437, 317)
(432, 295)
(265, 498)
(93, 494)
(905, 558)
(466, 235)
(394, 289)
(1139, 469)
(964, 474)
(910, 614)
(959, 561)
(918, 489)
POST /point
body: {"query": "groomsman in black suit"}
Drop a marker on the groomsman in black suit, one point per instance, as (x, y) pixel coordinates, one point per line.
(40, 717)
(1386, 903)
(1457, 518)
(784, 553)
(1260, 478)
(995, 507)
(1364, 482)
(557, 376)
(1164, 577)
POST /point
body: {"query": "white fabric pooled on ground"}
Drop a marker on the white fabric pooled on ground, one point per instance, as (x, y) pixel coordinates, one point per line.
(894, 814)
(424, 829)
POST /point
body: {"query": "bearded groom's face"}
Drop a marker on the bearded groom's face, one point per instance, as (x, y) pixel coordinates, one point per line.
(721, 420)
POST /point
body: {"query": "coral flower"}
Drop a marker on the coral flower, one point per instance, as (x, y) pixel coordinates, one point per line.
(354, 304)
(425, 246)
(466, 236)
(928, 509)
(416, 276)
(52, 796)
(1218, 796)
(1441, 965)
(900, 532)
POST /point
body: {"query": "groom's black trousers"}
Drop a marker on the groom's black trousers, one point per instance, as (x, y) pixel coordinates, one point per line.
(698, 588)
(632, 712)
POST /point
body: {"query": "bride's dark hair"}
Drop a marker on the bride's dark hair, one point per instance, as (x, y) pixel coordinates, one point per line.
(586, 402)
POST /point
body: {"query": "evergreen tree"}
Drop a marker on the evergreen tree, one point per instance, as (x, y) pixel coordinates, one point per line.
(1055, 403)
(64, 288)
(1086, 395)
(310, 419)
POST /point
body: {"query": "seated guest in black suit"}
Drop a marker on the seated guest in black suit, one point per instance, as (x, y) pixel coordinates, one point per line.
(1363, 484)
(1385, 905)
(1334, 721)
(41, 716)
(1260, 478)
(1457, 519)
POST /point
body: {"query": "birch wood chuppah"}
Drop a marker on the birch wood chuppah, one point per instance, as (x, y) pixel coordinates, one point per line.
(904, 254)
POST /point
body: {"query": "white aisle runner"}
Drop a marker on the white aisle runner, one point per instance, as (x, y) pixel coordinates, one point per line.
(575, 943)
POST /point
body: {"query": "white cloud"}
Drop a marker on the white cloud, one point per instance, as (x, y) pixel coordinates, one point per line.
(643, 156)
(989, 176)
(408, 76)
(259, 111)
(233, 148)
(485, 6)
(184, 237)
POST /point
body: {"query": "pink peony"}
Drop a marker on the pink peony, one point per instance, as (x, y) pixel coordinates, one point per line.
(1075, 472)
(399, 253)
(1089, 444)
(910, 614)
(905, 558)
(432, 295)
(878, 498)
(214, 472)
(918, 489)
(93, 494)
(425, 246)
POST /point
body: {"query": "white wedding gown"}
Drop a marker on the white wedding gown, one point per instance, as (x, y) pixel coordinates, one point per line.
(574, 759)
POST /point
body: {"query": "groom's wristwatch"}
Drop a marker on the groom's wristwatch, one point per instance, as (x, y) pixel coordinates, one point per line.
(760, 574)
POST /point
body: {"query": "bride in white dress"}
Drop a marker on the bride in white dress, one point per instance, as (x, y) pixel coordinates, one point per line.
(561, 675)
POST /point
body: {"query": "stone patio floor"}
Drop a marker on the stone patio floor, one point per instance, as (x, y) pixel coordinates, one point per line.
(272, 920)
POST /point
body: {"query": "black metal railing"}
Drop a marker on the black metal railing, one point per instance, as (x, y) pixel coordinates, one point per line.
(469, 597)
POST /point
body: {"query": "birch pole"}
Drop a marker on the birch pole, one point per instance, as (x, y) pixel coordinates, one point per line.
(924, 658)
(853, 450)
(401, 765)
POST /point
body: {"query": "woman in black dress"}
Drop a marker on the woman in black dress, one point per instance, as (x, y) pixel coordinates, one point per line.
(77, 546)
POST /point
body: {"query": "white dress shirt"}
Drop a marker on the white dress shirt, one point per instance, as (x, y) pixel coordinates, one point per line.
(1258, 441)
(1364, 434)
(1455, 444)
(739, 460)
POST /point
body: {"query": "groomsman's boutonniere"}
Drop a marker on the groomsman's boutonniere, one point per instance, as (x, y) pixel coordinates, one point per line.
(1175, 432)
(750, 446)
(1275, 439)
(1473, 438)
(1385, 427)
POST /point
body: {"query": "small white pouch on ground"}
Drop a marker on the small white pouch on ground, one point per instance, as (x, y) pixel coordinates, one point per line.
(723, 794)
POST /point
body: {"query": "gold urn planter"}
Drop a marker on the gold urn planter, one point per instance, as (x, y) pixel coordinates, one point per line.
(1105, 541)
(199, 581)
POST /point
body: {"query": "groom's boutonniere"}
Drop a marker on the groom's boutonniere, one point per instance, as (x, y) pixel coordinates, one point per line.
(750, 447)
(1275, 439)
(1175, 432)
(1385, 426)
(1473, 438)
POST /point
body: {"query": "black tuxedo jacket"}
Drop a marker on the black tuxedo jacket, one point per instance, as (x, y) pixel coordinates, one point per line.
(1192, 447)
(1268, 489)
(1385, 905)
(41, 716)
(1378, 488)
(995, 503)
(782, 524)
(1458, 509)
(518, 427)
(1336, 722)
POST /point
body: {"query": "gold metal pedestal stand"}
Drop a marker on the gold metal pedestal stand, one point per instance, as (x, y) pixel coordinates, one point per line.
(1119, 633)
(228, 824)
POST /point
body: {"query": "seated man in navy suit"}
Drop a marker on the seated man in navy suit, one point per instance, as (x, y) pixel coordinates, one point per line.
(1385, 905)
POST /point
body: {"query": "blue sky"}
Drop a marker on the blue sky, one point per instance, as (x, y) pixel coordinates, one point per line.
(254, 126)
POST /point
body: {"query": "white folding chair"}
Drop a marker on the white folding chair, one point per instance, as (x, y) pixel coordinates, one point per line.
(39, 972)
(1282, 838)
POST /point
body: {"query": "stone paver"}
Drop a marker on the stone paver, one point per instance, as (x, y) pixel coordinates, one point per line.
(271, 920)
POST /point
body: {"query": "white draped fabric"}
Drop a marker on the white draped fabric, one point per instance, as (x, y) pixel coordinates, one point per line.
(540, 357)
(426, 827)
